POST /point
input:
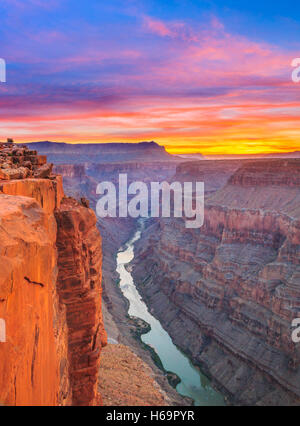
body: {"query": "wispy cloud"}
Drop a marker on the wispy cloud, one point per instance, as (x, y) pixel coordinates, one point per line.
(175, 30)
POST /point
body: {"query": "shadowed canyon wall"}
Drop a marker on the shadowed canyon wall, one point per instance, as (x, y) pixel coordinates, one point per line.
(234, 284)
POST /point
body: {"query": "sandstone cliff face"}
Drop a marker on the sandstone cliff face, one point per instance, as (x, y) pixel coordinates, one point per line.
(34, 359)
(234, 284)
(79, 287)
(48, 193)
(53, 322)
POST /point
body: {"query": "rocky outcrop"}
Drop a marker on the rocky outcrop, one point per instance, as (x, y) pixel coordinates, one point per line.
(50, 290)
(234, 284)
(19, 162)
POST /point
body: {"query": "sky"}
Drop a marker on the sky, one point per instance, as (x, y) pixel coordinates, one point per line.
(195, 76)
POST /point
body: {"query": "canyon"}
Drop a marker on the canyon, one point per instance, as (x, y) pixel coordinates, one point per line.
(50, 292)
(234, 283)
(80, 181)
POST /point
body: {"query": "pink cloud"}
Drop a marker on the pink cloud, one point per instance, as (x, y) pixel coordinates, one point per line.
(157, 27)
(175, 30)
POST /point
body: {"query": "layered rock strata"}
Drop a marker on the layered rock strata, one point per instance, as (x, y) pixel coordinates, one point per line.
(234, 284)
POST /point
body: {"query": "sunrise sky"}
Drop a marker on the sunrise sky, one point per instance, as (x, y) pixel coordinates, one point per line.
(196, 76)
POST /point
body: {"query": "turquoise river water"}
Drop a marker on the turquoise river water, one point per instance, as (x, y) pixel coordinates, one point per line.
(193, 383)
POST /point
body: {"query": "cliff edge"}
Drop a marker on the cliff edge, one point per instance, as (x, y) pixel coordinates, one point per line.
(50, 287)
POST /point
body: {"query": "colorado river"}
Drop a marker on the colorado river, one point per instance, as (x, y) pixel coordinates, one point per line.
(193, 383)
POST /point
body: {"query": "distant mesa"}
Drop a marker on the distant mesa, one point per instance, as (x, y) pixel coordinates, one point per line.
(60, 152)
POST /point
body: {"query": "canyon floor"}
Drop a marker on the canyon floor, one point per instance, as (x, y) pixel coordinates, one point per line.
(126, 380)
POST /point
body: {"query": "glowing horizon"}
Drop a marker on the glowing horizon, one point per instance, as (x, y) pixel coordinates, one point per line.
(171, 149)
(192, 78)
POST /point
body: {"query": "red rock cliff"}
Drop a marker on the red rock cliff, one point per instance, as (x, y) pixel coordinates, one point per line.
(50, 287)
(34, 361)
(79, 287)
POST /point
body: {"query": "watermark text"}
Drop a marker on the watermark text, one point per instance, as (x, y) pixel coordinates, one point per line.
(296, 331)
(2, 71)
(296, 72)
(160, 199)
